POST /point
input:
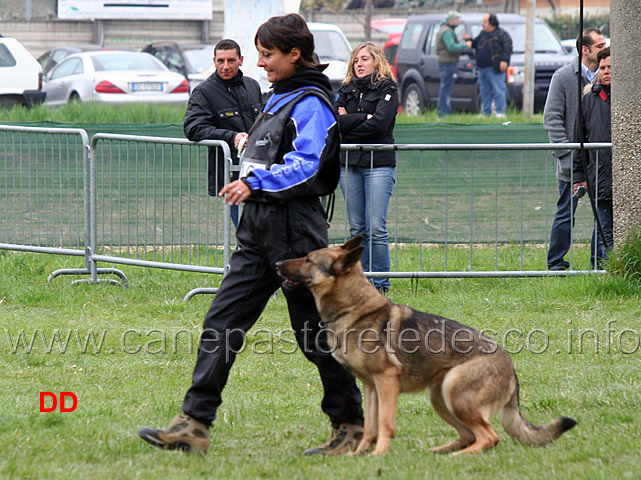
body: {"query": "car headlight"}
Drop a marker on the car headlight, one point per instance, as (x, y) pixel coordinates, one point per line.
(515, 74)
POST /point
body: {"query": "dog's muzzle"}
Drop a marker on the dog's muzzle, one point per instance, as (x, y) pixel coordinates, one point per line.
(286, 282)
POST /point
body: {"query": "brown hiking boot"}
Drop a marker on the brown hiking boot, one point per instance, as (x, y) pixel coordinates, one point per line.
(183, 433)
(342, 439)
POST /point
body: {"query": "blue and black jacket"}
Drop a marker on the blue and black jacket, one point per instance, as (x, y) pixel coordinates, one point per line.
(293, 147)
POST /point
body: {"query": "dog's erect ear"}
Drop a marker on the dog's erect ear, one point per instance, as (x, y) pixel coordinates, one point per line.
(352, 243)
(345, 262)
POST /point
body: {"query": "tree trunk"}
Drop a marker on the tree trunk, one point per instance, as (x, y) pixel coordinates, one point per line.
(368, 20)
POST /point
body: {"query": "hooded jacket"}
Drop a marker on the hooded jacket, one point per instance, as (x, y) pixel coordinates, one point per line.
(294, 144)
(371, 117)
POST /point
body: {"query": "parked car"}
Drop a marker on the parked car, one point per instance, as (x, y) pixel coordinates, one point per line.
(418, 66)
(20, 75)
(54, 56)
(394, 28)
(195, 60)
(332, 48)
(115, 77)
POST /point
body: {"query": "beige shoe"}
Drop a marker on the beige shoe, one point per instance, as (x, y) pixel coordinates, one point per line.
(183, 433)
(342, 439)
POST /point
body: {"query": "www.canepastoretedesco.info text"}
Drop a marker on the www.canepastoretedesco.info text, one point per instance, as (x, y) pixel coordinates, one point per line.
(610, 339)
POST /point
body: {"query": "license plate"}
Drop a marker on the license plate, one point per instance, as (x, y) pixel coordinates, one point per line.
(146, 87)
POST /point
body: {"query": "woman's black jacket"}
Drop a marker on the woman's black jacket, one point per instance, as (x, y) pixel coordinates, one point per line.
(597, 116)
(371, 117)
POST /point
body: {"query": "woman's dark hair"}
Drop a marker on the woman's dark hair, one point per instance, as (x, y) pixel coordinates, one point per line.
(285, 33)
(493, 20)
(605, 53)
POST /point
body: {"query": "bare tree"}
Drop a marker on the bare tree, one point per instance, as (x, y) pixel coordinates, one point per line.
(368, 20)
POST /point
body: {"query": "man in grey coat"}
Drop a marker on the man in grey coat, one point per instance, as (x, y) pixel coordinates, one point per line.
(560, 115)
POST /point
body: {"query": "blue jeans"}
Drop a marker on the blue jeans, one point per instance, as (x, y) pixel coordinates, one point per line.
(233, 213)
(561, 235)
(492, 87)
(604, 210)
(367, 192)
(446, 73)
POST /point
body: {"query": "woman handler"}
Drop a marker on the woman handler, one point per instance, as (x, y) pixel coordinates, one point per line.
(291, 159)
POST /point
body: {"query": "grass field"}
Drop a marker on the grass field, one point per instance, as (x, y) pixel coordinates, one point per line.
(127, 354)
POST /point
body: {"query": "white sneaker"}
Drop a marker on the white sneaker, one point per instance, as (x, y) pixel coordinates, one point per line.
(500, 115)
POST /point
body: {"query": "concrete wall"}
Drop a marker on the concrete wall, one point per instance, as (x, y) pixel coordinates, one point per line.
(45, 31)
(626, 120)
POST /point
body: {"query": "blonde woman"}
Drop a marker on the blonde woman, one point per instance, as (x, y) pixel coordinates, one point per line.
(366, 106)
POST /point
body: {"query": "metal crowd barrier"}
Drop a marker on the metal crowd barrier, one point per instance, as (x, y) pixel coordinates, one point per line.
(118, 199)
(137, 200)
(44, 192)
(150, 205)
(456, 198)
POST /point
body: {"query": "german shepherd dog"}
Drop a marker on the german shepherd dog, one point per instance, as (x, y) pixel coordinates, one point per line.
(395, 349)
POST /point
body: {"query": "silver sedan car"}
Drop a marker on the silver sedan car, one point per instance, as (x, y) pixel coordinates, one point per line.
(115, 77)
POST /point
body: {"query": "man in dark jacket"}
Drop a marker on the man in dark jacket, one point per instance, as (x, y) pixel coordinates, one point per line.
(223, 107)
(597, 118)
(493, 50)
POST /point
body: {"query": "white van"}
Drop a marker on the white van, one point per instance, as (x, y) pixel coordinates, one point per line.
(20, 75)
(332, 48)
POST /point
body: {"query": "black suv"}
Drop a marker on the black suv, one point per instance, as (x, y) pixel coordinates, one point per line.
(418, 68)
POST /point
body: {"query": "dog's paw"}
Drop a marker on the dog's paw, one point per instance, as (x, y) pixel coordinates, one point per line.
(362, 449)
(381, 451)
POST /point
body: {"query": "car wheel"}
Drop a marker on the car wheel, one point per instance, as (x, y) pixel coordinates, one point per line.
(74, 98)
(413, 103)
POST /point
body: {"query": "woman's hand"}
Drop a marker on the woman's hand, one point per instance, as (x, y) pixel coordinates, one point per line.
(235, 192)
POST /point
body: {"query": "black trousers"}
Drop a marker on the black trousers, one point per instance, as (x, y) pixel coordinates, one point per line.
(268, 233)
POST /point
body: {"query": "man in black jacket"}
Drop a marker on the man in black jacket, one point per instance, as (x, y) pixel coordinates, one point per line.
(493, 51)
(598, 120)
(223, 107)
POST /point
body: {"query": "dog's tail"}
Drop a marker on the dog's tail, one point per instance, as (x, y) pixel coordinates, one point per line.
(525, 432)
